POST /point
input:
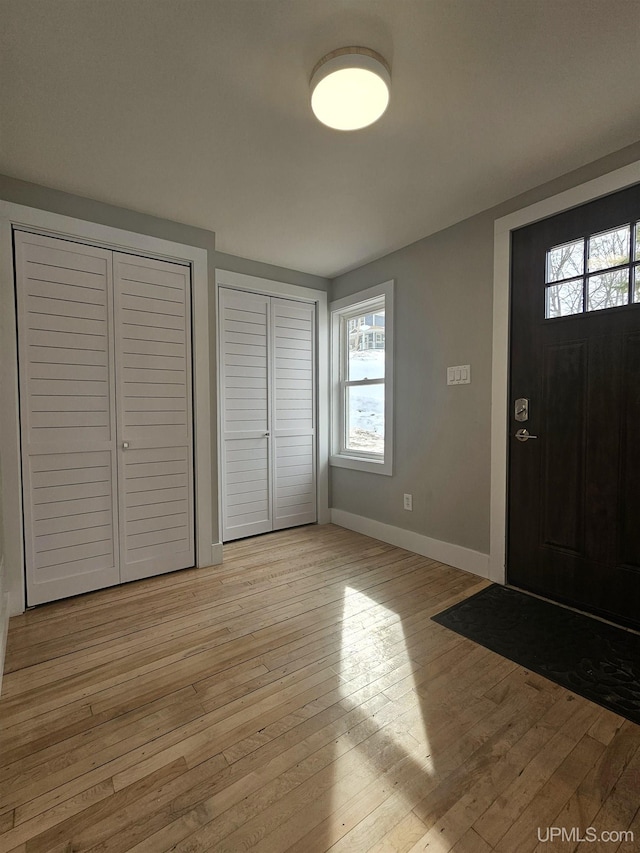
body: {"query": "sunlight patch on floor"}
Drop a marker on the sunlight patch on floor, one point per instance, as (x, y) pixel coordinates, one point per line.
(378, 681)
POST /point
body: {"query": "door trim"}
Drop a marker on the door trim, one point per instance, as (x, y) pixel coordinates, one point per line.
(57, 225)
(269, 287)
(596, 188)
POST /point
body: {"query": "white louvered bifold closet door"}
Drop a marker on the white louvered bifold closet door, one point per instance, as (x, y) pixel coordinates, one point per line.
(105, 361)
(267, 357)
(65, 324)
(293, 413)
(245, 414)
(153, 392)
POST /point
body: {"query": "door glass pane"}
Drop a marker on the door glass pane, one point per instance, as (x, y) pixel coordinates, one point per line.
(564, 299)
(608, 290)
(565, 261)
(366, 342)
(609, 249)
(365, 418)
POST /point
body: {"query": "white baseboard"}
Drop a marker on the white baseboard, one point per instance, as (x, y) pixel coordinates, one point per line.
(444, 552)
(4, 621)
(216, 554)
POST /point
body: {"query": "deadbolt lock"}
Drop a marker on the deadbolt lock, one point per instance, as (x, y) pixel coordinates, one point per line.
(521, 409)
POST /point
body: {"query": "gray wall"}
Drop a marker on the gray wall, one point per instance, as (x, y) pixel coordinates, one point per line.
(1, 529)
(443, 308)
(43, 198)
(262, 270)
(443, 317)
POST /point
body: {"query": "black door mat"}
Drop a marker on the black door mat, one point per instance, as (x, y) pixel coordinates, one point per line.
(589, 657)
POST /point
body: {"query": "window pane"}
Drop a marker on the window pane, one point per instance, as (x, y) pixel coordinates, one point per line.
(636, 285)
(609, 249)
(365, 358)
(365, 418)
(565, 261)
(636, 254)
(608, 290)
(564, 299)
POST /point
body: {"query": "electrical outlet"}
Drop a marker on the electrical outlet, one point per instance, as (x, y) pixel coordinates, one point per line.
(408, 502)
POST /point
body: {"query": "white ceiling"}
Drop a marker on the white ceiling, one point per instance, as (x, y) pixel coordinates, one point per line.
(198, 111)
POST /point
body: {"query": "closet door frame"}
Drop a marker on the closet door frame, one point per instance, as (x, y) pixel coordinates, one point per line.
(208, 552)
(269, 287)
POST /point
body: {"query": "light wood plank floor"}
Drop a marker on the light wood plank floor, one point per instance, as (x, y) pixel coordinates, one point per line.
(297, 698)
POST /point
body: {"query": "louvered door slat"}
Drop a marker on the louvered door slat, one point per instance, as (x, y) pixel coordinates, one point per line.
(244, 330)
(66, 363)
(153, 363)
(267, 355)
(294, 442)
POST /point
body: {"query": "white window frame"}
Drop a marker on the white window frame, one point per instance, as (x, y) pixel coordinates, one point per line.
(342, 310)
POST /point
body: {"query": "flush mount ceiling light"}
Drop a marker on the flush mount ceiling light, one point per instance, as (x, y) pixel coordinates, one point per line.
(350, 88)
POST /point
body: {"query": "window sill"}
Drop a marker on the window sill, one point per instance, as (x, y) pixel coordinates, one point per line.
(357, 463)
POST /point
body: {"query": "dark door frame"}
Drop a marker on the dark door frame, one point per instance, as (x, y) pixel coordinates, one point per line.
(596, 188)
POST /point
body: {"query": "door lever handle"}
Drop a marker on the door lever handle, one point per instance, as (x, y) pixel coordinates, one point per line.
(524, 435)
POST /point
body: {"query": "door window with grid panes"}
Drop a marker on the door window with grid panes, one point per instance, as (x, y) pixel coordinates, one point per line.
(594, 272)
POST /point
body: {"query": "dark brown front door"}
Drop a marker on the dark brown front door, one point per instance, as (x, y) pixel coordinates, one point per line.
(574, 491)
